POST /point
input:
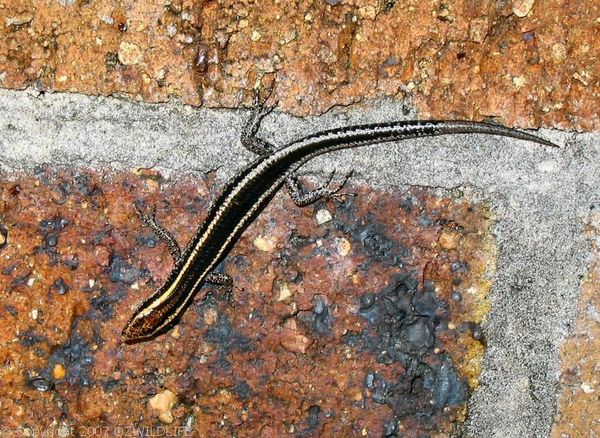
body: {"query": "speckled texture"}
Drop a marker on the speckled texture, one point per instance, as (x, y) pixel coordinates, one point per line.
(523, 63)
(540, 199)
(579, 404)
(364, 325)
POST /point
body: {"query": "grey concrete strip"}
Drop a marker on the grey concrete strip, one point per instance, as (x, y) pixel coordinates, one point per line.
(541, 198)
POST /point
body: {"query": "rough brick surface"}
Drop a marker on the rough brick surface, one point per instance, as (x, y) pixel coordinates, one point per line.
(523, 63)
(579, 404)
(347, 319)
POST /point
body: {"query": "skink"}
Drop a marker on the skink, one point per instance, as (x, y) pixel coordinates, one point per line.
(249, 192)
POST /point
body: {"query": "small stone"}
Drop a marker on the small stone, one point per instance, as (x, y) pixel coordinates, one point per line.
(449, 239)
(367, 12)
(528, 36)
(130, 53)
(586, 388)
(478, 29)
(59, 286)
(323, 216)
(559, 53)
(18, 20)
(477, 333)
(343, 246)
(522, 7)
(266, 244)
(210, 316)
(59, 372)
(292, 340)
(356, 394)
(64, 431)
(51, 240)
(163, 403)
(519, 82)
(284, 291)
(584, 77)
(41, 384)
(172, 30)
(255, 35)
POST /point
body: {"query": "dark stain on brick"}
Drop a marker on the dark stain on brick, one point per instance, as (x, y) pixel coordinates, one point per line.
(50, 230)
(20, 279)
(149, 240)
(11, 310)
(243, 390)
(111, 384)
(8, 269)
(404, 321)
(121, 271)
(71, 261)
(320, 318)
(85, 186)
(425, 389)
(103, 303)
(76, 355)
(29, 338)
(312, 422)
(388, 5)
(195, 205)
(390, 429)
(375, 243)
(223, 335)
(240, 261)
(56, 223)
(376, 317)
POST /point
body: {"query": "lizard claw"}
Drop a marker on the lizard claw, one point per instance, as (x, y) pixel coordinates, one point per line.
(336, 194)
(260, 105)
(146, 219)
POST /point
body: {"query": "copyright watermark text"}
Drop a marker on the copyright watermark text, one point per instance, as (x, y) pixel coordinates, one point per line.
(66, 431)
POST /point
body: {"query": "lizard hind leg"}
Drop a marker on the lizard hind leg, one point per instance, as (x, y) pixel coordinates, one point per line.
(303, 197)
